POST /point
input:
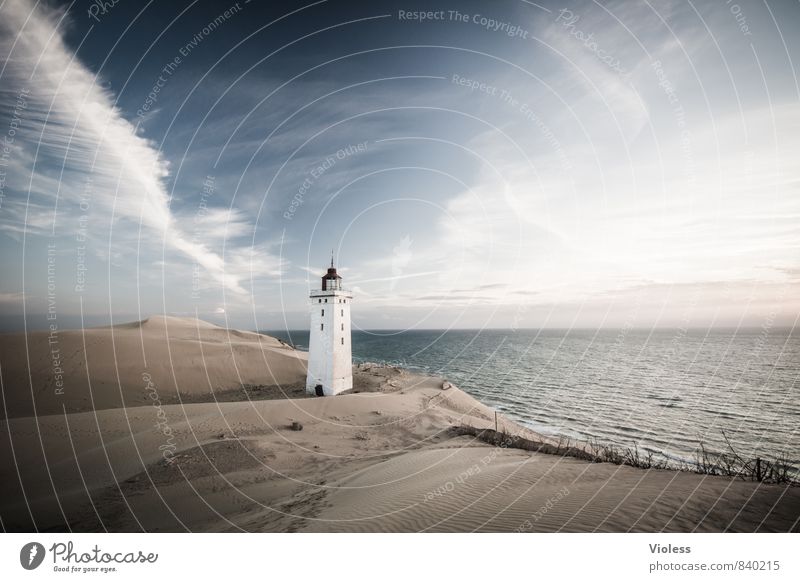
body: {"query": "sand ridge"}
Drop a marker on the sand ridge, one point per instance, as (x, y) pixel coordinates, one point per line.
(131, 364)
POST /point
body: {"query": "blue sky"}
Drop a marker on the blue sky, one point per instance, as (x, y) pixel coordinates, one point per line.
(504, 164)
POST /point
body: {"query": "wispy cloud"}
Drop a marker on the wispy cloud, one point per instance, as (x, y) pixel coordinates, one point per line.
(10, 298)
(73, 139)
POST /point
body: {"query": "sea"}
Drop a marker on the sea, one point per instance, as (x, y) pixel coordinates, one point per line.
(666, 391)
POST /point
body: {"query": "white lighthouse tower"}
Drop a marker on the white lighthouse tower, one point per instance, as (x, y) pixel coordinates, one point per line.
(330, 362)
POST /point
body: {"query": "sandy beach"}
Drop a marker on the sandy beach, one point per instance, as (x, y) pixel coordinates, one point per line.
(382, 458)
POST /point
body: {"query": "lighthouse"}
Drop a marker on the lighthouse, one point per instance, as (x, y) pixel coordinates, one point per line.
(330, 365)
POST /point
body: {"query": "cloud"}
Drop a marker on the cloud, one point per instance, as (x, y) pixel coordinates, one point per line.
(74, 142)
(584, 239)
(13, 298)
(220, 224)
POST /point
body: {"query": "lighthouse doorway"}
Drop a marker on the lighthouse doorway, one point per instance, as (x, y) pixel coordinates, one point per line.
(318, 390)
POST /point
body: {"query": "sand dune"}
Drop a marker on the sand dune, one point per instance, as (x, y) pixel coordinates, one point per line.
(123, 365)
(383, 458)
(465, 487)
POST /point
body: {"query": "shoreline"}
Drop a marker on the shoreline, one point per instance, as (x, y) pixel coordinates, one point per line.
(663, 394)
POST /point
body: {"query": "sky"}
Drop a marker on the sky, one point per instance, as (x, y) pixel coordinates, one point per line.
(469, 164)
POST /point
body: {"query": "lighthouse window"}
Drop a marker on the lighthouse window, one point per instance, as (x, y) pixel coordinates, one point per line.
(342, 341)
(321, 326)
(323, 312)
(326, 300)
(342, 330)
(342, 312)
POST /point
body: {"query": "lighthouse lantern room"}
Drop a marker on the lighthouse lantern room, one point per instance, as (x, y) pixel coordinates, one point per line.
(330, 366)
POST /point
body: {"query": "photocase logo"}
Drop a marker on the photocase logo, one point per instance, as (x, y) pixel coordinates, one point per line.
(31, 555)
